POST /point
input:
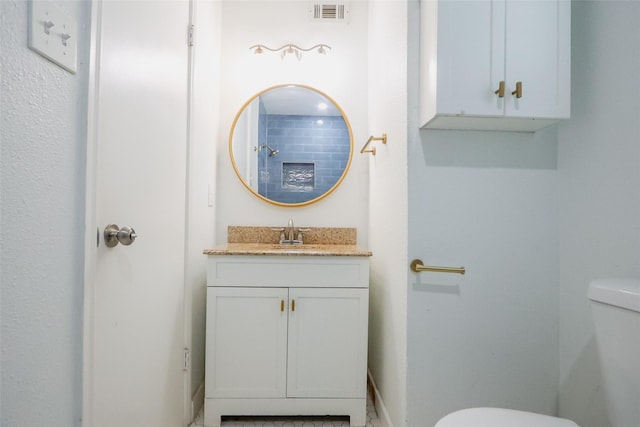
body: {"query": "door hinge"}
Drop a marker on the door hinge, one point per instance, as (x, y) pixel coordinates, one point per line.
(187, 359)
(190, 36)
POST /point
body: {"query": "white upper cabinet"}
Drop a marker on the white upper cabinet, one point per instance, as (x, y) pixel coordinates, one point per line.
(494, 64)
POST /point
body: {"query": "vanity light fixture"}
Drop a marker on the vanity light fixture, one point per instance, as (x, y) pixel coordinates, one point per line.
(291, 49)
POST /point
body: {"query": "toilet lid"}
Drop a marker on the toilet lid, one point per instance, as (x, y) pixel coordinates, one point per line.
(623, 293)
(496, 417)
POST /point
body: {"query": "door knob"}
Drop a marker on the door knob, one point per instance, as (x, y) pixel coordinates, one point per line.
(114, 235)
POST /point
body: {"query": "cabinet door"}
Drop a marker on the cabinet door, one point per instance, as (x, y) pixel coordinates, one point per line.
(246, 342)
(470, 57)
(327, 343)
(538, 55)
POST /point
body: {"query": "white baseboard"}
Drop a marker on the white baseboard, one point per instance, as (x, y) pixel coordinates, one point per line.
(383, 415)
(197, 401)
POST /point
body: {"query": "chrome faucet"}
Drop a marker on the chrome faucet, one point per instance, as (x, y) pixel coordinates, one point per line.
(290, 232)
(287, 236)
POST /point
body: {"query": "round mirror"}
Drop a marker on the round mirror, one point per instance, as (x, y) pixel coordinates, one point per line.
(291, 145)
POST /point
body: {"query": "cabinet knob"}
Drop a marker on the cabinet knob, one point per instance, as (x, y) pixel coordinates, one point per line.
(518, 91)
(500, 90)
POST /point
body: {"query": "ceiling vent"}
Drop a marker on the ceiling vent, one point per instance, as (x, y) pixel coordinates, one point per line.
(330, 12)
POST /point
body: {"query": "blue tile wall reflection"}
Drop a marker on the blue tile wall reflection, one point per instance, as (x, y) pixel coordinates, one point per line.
(322, 141)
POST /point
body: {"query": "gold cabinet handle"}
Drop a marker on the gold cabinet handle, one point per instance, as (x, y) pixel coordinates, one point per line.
(417, 266)
(518, 91)
(281, 305)
(293, 305)
(500, 90)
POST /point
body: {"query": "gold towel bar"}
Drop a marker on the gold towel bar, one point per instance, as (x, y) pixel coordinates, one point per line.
(382, 138)
(418, 266)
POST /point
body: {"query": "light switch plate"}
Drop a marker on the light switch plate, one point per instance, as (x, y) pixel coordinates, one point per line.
(53, 35)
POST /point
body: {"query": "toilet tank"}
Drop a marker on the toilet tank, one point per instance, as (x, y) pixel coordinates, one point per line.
(615, 304)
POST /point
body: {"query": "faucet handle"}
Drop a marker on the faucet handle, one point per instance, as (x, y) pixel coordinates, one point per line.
(281, 230)
(300, 231)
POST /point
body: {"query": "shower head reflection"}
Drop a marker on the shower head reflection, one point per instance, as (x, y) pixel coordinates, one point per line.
(272, 152)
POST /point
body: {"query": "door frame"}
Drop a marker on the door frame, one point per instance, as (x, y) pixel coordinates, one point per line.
(93, 233)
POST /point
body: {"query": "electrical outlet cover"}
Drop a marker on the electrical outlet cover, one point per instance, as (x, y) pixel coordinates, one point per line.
(53, 35)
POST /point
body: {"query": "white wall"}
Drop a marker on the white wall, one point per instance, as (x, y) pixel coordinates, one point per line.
(388, 207)
(205, 110)
(43, 169)
(342, 74)
(599, 178)
(486, 201)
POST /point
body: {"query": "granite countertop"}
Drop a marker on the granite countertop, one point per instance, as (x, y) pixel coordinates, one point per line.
(318, 241)
(276, 249)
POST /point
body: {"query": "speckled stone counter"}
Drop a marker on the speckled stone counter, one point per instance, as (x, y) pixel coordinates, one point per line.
(311, 235)
(318, 241)
(286, 250)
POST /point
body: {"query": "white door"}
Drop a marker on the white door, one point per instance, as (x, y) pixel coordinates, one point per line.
(470, 57)
(135, 318)
(537, 54)
(246, 342)
(327, 343)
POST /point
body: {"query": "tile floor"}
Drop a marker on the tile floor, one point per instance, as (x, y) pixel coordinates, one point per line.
(372, 420)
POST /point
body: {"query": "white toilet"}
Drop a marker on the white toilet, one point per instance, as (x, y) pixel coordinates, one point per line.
(615, 305)
(497, 417)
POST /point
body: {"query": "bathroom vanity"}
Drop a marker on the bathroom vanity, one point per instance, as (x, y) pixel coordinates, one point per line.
(286, 330)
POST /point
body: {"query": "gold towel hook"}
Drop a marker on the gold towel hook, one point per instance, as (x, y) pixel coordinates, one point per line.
(382, 138)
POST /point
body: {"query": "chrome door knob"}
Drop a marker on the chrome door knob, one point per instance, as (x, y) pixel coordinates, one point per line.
(114, 235)
(127, 235)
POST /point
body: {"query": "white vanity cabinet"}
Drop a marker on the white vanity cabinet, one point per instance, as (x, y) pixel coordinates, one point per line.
(286, 335)
(474, 53)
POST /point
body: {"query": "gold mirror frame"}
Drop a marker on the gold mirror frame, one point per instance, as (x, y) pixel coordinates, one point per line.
(256, 193)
